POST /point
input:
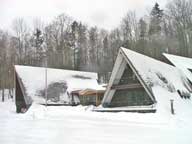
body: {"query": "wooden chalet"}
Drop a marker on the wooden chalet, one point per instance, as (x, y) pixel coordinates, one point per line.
(132, 80)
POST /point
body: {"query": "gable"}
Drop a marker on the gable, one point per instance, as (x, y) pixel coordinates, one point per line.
(129, 91)
(125, 87)
(153, 76)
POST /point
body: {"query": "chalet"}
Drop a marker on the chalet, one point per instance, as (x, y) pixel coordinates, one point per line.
(139, 83)
(31, 86)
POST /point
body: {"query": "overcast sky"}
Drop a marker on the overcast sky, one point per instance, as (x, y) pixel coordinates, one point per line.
(103, 13)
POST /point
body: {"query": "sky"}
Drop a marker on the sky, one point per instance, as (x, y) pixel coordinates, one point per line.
(105, 14)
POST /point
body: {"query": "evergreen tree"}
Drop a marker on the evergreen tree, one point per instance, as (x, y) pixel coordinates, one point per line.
(74, 28)
(141, 44)
(155, 32)
(155, 19)
(38, 44)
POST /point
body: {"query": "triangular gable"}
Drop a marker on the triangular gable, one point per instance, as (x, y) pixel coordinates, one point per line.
(150, 73)
(119, 70)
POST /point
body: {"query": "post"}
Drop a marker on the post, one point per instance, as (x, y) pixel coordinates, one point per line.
(172, 109)
(14, 83)
(46, 80)
(96, 99)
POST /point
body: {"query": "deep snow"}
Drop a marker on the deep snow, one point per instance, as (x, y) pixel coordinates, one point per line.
(74, 125)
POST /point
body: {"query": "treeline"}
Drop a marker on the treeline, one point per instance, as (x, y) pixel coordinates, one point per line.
(70, 44)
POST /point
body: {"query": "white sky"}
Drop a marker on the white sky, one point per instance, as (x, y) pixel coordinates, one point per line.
(103, 13)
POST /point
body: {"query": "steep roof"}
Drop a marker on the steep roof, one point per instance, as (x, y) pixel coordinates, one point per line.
(33, 79)
(150, 70)
(183, 63)
(160, 79)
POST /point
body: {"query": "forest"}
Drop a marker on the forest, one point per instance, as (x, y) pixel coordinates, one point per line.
(70, 44)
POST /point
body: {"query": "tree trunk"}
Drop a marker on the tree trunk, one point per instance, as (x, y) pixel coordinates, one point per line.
(3, 95)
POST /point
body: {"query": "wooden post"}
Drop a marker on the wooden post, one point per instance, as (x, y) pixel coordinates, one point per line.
(172, 109)
(46, 80)
(96, 98)
(83, 100)
(14, 83)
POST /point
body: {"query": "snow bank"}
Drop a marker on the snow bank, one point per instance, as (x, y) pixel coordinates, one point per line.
(74, 125)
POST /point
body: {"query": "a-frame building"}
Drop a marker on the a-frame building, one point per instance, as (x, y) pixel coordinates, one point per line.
(30, 87)
(132, 81)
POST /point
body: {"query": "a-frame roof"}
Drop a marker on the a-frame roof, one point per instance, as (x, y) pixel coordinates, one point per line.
(33, 79)
(183, 63)
(150, 72)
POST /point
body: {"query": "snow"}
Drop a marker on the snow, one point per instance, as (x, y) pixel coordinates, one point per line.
(163, 80)
(74, 125)
(149, 69)
(183, 63)
(79, 124)
(34, 80)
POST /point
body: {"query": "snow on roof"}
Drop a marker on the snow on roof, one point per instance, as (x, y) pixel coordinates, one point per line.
(156, 72)
(33, 79)
(163, 79)
(183, 63)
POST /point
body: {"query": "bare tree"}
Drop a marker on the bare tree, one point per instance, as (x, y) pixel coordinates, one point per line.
(20, 29)
(180, 13)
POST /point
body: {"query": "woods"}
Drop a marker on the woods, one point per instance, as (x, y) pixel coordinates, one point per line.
(71, 44)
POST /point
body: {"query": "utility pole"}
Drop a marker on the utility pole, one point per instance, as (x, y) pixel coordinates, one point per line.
(46, 79)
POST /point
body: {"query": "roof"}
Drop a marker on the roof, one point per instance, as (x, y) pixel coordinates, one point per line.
(33, 79)
(150, 70)
(90, 92)
(161, 80)
(183, 63)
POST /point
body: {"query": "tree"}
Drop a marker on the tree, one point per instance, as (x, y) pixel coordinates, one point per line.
(129, 30)
(20, 29)
(142, 42)
(82, 43)
(155, 32)
(93, 49)
(58, 40)
(38, 45)
(74, 28)
(115, 43)
(180, 13)
(3, 60)
(155, 20)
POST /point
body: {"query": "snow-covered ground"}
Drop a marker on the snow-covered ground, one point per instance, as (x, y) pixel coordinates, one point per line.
(79, 125)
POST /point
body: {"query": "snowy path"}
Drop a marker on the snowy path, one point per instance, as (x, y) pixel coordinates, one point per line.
(74, 125)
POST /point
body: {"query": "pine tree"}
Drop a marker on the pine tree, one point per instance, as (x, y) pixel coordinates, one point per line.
(141, 43)
(38, 41)
(74, 28)
(155, 19)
